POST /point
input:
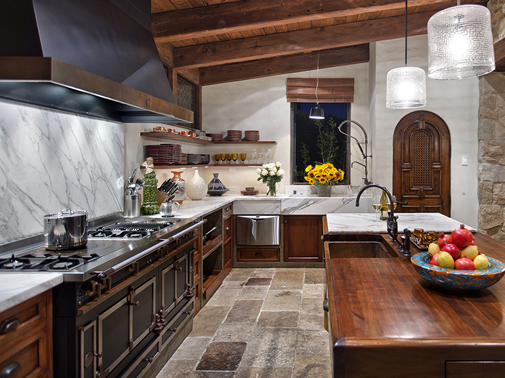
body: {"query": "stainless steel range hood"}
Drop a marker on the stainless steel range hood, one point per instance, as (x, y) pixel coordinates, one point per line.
(90, 57)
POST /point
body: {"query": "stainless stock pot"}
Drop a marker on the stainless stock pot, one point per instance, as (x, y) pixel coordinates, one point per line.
(66, 230)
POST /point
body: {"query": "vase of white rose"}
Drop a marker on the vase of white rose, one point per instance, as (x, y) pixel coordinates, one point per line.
(270, 174)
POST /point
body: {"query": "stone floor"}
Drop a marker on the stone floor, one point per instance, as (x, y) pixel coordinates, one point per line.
(260, 323)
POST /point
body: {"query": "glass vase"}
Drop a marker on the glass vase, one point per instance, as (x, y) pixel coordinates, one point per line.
(324, 191)
(179, 194)
(271, 188)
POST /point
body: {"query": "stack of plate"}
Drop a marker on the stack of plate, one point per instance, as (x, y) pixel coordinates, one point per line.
(164, 154)
(184, 158)
(216, 137)
(234, 135)
(193, 158)
(252, 135)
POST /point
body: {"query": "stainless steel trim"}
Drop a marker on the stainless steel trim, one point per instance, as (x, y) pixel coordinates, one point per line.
(140, 358)
(185, 278)
(182, 233)
(176, 317)
(100, 336)
(83, 331)
(152, 282)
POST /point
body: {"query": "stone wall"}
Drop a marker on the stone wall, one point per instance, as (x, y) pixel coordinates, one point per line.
(491, 174)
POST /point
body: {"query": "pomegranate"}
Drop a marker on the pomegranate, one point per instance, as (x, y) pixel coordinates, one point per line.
(452, 249)
(462, 237)
(433, 259)
(464, 263)
(444, 239)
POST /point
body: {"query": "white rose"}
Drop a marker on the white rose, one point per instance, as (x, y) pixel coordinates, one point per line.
(272, 173)
(280, 172)
(264, 172)
(265, 165)
(278, 165)
(258, 171)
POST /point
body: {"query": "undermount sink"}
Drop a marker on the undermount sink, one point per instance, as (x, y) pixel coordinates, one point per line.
(358, 246)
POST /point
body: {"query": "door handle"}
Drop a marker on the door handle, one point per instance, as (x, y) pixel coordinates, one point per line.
(9, 325)
(10, 370)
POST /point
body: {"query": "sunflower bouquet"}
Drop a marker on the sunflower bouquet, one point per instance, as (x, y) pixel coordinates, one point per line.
(323, 174)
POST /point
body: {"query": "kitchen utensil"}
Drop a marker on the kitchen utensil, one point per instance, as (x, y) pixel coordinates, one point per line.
(132, 205)
(208, 233)
(65, 230)
(140, 182)
(460, 280)
(168, 209)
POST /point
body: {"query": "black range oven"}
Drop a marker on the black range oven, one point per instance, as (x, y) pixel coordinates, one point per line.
(122, 300)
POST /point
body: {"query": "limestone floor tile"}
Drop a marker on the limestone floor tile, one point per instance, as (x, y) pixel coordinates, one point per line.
(252, 372)
(258, 281)
(244, 311)
(238, 274)
(224, 297)
(312, 314)
(222, 356)
(233, 284)
(208, 320)
(253, 292)
(211, 374)
(263, 273)
(288, 280)
(313, 291)
(312, 367)
(283, 300)
(313, 343)
(279, 319)
(315, 275)
(192, 348)
(270, 347)
(177, 368)
(234, 332)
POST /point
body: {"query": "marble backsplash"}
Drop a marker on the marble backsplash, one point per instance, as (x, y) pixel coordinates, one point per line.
(50, 161)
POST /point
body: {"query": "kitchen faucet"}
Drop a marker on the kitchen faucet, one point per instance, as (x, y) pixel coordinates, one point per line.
(392, 223)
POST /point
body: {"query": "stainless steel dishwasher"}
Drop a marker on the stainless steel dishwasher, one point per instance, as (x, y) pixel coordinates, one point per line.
(257, 230)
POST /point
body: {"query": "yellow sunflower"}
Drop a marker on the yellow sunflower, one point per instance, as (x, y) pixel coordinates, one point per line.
(311, 181)
(308, 169)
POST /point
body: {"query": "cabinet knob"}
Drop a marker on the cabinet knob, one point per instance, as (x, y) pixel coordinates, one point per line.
(227, 228)
(10, 370)
(9, 325)
(258, 254)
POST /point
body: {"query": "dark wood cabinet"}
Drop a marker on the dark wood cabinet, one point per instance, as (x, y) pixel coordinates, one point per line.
(258, 254)
(302, 238)
(26, 347)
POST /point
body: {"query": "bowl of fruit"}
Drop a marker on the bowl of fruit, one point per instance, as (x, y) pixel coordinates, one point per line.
(454, 262)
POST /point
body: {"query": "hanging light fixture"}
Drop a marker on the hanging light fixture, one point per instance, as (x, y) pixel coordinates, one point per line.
(317, 112)
(406, 86)
(460, 43)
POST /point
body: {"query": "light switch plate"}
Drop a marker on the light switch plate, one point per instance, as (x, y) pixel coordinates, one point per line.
(464, 160)
(298, 190)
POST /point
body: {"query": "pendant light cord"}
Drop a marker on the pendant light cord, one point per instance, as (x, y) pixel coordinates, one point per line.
(406, 33)
(317, 76)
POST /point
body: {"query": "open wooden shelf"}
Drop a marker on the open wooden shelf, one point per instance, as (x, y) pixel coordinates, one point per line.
(209, 281)
(188, 139)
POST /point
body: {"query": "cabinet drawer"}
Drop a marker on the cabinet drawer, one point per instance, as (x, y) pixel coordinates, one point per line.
(258, 254)
(228, 211)
(227, 229)
(16, 321)
(210, 244)
(477, 369)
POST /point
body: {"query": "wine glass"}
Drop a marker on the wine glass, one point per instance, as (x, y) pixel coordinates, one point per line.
(254, 155)
(223, 158)
(243, 157)
(217, 158)
(234, 158)
(229, 157)
(376, 204)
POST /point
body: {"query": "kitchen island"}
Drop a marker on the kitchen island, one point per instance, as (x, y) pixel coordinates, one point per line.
(386, 321)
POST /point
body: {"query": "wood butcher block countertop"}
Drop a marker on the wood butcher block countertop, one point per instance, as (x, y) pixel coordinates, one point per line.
(386, 321)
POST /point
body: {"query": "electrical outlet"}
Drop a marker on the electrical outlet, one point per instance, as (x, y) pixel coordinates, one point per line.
(464, 160)
(232, 188)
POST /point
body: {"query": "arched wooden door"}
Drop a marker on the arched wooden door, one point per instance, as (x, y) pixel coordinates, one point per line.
(422, 164)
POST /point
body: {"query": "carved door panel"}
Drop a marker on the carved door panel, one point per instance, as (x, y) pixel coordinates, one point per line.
(422, 164)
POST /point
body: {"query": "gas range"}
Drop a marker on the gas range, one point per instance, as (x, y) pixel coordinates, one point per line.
(110, 242)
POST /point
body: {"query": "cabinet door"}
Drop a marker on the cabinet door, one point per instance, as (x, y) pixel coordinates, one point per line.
(302, 238)
(143, 308)
(88, 353)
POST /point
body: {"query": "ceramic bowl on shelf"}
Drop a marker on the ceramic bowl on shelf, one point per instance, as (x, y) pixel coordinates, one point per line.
(454, 279)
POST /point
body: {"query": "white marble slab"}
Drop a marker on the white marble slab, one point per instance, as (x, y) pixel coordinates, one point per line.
(19, 287)
(324, 205)
(348, 222)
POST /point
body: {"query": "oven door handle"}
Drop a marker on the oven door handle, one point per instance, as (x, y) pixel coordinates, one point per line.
(106, 273)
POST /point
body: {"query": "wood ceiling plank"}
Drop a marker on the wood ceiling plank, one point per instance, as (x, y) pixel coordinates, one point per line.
(243, 15)
(300, 41)
(161, 6)
(284, 64)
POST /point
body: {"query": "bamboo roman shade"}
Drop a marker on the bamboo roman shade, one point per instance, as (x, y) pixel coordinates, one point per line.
(329, 90)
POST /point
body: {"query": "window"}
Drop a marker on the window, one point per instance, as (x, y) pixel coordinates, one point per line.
(319, 141)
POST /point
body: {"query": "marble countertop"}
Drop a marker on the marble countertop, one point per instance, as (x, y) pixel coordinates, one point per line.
(365, 222)
(17, 288)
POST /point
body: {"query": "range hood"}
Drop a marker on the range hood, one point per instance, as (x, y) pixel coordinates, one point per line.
(90, 57)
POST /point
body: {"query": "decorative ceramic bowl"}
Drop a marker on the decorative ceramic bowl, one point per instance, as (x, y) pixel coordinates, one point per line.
(454, 279)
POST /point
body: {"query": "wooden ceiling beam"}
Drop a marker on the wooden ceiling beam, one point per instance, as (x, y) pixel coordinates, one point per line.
(288, 43)
(246, 15)
(499, 55)
(284, 64)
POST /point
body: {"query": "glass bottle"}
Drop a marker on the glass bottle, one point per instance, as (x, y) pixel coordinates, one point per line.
(384, 206)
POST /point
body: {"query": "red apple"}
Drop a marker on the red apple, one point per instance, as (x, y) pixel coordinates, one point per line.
(464, 263)
(433, 259)
(444, 239)
(462, 237)
(452, 249)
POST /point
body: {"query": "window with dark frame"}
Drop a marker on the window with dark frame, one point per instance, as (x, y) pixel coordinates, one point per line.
(317, 141)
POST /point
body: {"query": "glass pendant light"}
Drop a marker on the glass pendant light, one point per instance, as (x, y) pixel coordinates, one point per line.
(460, 43)
(317, 112)
(406, 86)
